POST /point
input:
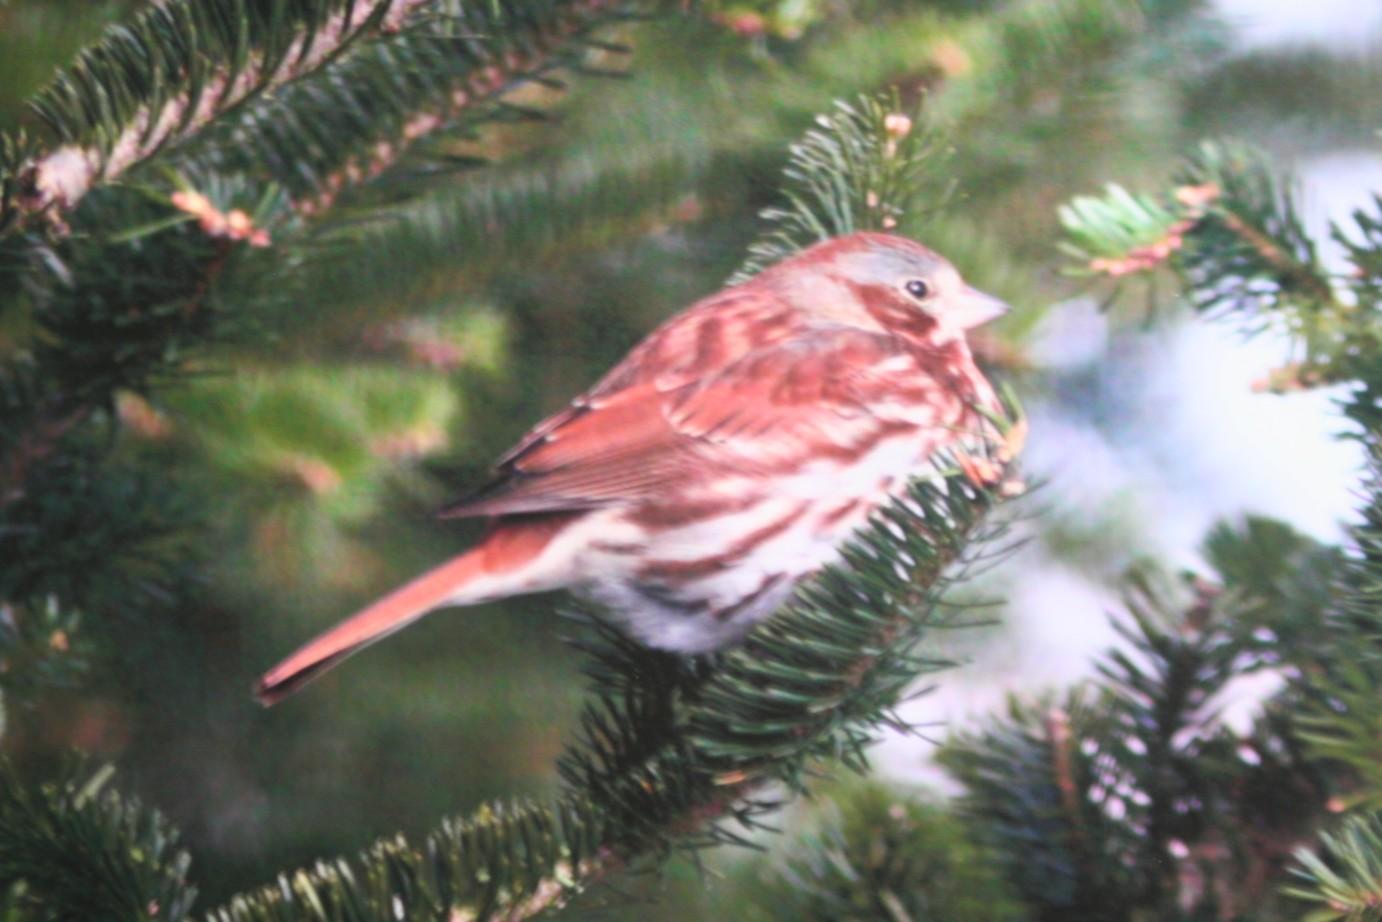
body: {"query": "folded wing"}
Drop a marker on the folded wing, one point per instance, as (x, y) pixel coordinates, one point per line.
(824, 392)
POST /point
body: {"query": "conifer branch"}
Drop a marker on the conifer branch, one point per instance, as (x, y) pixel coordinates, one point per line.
(1229, 217)
(1341, 723)
(42, 645)
(364, 116)
(179, 66)
(73, 850)
(417, 248)
(1344, 877)
(880, 853)
(1229, 229)
(1231, 233)
(372, 94)
(497, 219)
(1342, 720)
(51, 421)
(73, 374)
(1129, 794)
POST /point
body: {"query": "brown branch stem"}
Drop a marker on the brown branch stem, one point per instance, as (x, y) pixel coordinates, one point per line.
(34, 445)
(485, 84)
(1278, 259)
(1063, 773)
(55, 181)
(55, 420)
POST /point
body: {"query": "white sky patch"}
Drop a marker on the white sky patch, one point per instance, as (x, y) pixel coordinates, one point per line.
(1230, 451)
(1071, 335)
(1338, 23)
(1334, 185)
(1073, 461)
(1058, 621)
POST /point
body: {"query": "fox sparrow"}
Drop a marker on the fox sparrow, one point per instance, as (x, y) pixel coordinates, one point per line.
(729, 455)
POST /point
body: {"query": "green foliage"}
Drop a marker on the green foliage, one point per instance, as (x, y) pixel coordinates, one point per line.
(164, 76)
(670, 148)
(1250, 252)
(120, 301)
(505, 218)
(317, 95)
(1346, 728)
(1343, 720)
(1107, 228)
(193, 51)
(1365, 251)
(868, 152)
(880, 854)
(1359, 607)
(1344, 878)
(1231, 232)
(1131, 798)
(108, 315)
(505, 862)
(1274, 94)
(1024, 776)
(125, 537)
(314, 452)
(73, 850)
(441, 78)
(42, 646)
(1237, 244)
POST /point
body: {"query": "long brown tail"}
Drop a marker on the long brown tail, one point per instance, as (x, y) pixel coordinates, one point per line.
(476, 576)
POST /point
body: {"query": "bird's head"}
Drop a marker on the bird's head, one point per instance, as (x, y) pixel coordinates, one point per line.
(871, 280)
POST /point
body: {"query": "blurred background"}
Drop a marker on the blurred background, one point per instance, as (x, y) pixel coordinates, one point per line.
(316, 451)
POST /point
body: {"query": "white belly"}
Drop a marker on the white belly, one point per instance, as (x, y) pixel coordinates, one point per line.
(801, 522)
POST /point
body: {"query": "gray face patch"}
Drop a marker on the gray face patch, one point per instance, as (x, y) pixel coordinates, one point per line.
(890, 265)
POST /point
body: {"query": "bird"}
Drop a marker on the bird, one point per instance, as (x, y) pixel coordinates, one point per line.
(728, 456)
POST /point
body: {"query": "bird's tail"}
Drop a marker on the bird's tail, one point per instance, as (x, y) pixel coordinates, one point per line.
(499, 566)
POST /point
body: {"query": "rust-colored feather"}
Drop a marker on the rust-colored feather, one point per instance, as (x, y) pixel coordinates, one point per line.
(785, 399)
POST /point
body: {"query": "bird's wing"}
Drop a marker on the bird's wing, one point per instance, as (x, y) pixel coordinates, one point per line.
(593, 454)
(811, 395)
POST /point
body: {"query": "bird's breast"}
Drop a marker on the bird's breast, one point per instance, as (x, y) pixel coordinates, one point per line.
(695, 569)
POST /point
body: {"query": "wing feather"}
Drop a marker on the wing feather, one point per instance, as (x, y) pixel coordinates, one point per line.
(774, 403)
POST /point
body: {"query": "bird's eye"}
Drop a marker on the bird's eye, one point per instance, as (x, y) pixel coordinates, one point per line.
(917, 289)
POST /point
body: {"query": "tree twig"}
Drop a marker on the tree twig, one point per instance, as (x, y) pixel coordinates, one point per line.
(53, 182)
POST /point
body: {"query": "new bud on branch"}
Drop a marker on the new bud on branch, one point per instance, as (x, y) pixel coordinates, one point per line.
(731, 454)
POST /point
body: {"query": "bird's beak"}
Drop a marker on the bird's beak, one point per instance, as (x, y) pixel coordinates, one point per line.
(976, 307)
